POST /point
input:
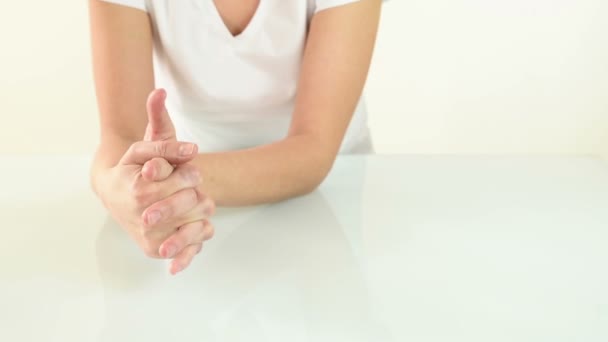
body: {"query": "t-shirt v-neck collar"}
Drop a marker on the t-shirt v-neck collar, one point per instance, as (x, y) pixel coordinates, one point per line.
(218, 22)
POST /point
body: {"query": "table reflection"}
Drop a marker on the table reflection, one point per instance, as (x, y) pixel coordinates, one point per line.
(271, 273)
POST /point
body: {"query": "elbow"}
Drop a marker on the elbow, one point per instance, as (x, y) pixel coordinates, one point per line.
(317, 158)
(309, 188)
(317, 178)
(317, 181)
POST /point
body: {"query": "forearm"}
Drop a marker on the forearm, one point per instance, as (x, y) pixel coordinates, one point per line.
(332, 76)
(288, 168)
(121, 42)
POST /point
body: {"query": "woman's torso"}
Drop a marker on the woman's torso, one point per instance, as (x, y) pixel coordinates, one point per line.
(230, 91)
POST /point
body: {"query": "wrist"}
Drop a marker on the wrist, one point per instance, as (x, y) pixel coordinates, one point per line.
(98, 178)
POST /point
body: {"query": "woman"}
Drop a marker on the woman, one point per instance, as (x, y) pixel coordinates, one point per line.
(262, 96)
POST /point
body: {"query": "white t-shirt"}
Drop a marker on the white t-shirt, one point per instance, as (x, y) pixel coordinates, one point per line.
(230, 92)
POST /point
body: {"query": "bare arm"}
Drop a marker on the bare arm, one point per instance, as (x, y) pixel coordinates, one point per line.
(334, 70)
(121, 40)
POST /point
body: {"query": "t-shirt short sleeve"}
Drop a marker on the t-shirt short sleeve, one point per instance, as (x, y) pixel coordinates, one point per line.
(139, 4)
(325, 4)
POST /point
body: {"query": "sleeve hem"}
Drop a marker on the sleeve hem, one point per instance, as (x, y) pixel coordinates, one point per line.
(137, 4)
(327, 4)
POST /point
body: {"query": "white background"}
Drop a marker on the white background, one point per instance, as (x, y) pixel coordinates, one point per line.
(449, 76)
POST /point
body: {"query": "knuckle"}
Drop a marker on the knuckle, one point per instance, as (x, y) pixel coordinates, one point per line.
(189, 175)
(209, 206)
(182, 173)
(187, 199)
(200, 232)
(132, 148)
(181, 241)
(161, 148)
(141, 194)
(136, 148)
(210, 230)
(192, 196)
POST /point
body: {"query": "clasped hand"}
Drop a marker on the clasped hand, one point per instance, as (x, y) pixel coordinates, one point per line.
(154, 192)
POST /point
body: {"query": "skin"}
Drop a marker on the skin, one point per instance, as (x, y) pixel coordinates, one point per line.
(236, 14)
(138, 156)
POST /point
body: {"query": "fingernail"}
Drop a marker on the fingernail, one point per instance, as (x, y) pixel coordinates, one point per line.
(170, 251)
(186, 150)
(176, 268)
(154, 217)
(150, 171)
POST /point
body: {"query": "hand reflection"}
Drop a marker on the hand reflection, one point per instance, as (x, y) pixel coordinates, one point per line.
(272, 272)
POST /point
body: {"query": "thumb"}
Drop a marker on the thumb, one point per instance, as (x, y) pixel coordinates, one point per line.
(160, 126)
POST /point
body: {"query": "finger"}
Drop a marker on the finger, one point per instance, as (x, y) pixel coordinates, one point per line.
(168, 210)
(183, 259)
(185, 176)
(156, 170)
(174, 152)
(204, 209)
(160, 126)
(189, 234)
